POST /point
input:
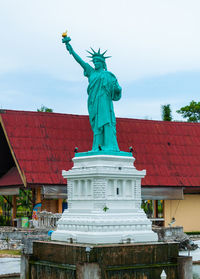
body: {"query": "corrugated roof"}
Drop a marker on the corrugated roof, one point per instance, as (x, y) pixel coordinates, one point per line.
(43, 144)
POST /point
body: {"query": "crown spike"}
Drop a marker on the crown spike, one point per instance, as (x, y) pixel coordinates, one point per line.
(89, 52)
(93, 50)
(98, 54)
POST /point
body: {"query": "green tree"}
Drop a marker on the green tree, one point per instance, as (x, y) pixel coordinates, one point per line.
(45, 109)
(191, 112)
(5, 210)
(24, 203)
(166, 113)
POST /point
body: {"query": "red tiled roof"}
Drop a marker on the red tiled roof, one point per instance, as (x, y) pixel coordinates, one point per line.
(12, 177)
(43, 144)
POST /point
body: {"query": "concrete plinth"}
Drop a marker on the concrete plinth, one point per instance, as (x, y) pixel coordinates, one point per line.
(78, 261)
(104, 202)
(185, 267)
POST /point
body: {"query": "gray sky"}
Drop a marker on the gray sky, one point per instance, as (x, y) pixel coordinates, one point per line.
(154, 44)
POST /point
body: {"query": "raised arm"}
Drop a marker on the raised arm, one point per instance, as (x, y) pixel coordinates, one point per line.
(73, 53)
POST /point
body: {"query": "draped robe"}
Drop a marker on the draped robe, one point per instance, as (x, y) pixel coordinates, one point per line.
(103, 88)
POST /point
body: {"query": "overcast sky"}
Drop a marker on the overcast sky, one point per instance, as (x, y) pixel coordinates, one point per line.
(154, 44)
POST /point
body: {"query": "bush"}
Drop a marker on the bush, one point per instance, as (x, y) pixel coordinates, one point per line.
(195, 276)
(5, 220)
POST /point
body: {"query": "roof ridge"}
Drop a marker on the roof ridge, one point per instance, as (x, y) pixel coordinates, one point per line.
(3, 111)
(55, 114)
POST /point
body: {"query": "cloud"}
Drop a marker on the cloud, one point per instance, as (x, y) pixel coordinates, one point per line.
(151, 42)
(144, 37)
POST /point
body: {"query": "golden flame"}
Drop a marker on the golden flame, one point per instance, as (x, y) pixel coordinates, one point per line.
(64, 34)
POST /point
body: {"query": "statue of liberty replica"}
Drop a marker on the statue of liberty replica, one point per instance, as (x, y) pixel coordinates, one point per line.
(104, 187)
(103, 88)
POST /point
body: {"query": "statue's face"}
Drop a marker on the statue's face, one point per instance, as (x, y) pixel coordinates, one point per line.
(98, 64)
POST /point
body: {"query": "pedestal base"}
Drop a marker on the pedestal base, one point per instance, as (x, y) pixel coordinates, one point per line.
(104, 228)
(104, 198)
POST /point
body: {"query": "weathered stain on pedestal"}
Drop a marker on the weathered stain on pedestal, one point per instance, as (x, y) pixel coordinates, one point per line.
(78, 261)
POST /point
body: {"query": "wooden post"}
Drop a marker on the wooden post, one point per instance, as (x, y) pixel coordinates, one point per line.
(38, 195)
(60, 205)
(155, 204)
(14, 208)
(164, 214)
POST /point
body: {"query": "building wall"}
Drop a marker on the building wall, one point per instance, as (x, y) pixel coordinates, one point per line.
(54, 206)
(50, 205)
(186, 212)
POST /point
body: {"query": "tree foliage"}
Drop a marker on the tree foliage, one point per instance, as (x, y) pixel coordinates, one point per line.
(166, 113)
(24, 198)
(24, 203)
(191, 112)
(5, 210)
(44, 109)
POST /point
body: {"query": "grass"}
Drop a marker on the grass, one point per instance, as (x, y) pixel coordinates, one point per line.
(10, 252)
(193, 233)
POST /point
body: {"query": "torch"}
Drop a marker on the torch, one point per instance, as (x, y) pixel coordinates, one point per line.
(66, 40)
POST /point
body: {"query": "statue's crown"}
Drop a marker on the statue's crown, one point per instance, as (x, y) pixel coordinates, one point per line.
(98, 55)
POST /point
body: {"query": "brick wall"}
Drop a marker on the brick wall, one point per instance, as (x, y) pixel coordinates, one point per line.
(50, 206)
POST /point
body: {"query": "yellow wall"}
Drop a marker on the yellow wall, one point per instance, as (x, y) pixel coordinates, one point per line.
(186, 212)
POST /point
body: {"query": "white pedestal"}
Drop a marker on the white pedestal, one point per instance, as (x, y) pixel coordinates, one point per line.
(104, 202)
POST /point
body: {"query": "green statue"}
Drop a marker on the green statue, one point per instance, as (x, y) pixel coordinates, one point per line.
(103, 88)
